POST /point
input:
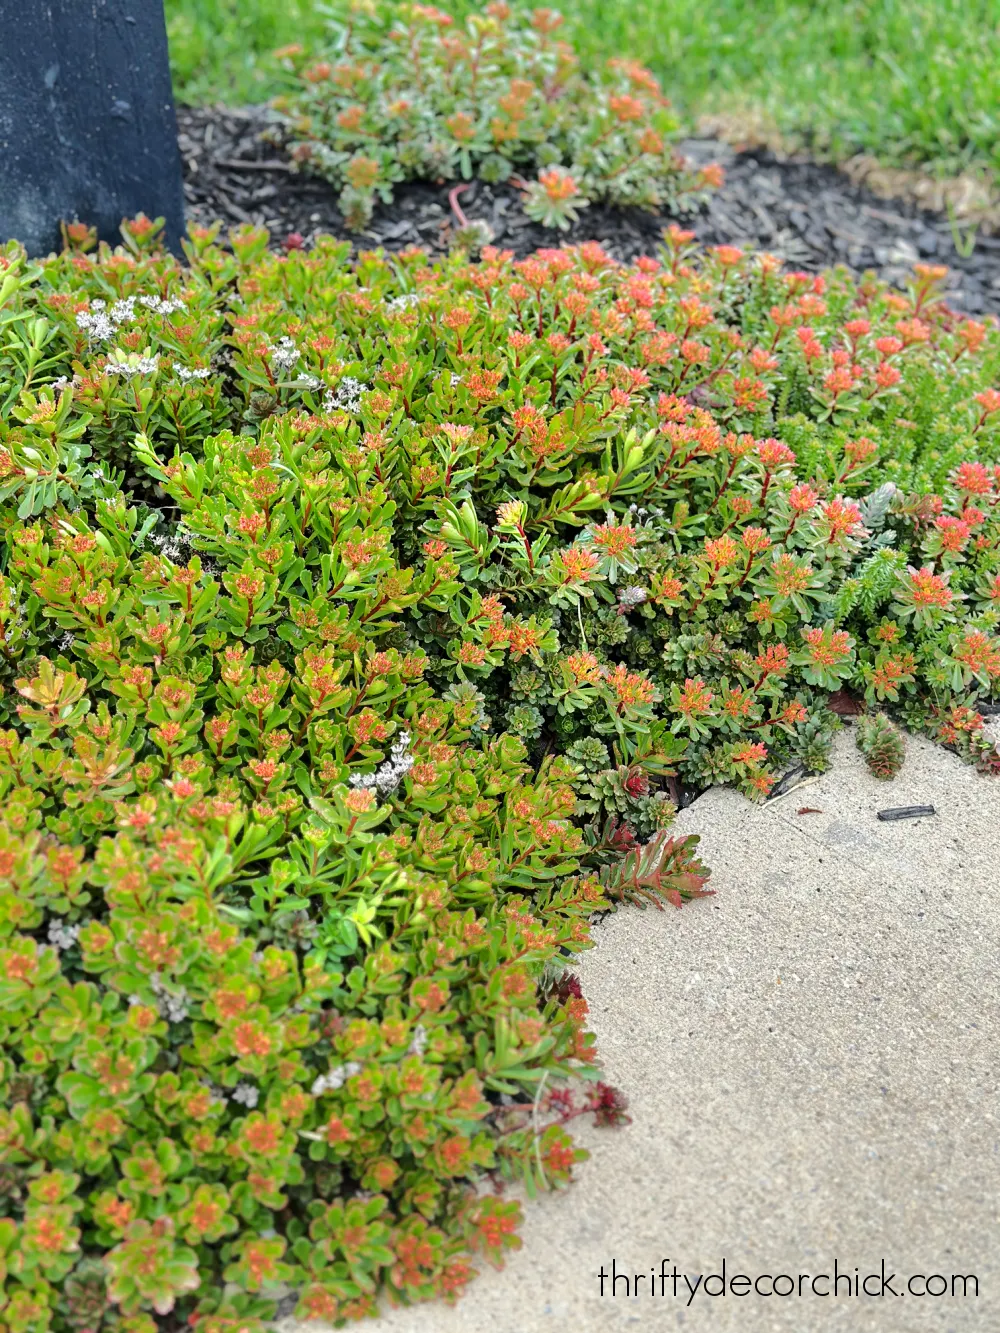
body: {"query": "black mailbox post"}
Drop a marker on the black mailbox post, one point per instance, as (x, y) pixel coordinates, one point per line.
(87, 128)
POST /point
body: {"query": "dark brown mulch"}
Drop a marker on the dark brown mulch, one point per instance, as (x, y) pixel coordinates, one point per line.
(810, 215)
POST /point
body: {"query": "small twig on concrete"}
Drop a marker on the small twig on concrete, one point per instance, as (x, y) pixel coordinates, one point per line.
(806, 782)
(906, 812)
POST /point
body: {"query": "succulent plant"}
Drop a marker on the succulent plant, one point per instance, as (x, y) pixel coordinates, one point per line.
(589, 754)
(625, 792)
(85, 1296)
(265, 705)
(408, 93)
(525, 720)
(814, 742)
(881, 742)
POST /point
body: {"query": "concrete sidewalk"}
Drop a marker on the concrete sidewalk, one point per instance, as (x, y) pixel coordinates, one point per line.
(811, 1059)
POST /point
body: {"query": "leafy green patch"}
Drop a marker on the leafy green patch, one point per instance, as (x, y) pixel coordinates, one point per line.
(358, 622)
(407, 94)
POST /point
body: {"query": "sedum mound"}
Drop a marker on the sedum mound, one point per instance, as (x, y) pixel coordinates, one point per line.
(358, 622)
(405, 93)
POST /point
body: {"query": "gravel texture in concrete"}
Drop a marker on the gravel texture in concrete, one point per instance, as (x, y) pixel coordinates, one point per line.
(811, 1058)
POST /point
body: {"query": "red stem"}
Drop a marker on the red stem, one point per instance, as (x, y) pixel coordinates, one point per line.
(460, 217)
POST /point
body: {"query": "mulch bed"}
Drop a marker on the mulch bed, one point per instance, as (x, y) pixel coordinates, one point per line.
(810, 215)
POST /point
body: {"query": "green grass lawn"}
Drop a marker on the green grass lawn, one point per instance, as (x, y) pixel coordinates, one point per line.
(912, 81)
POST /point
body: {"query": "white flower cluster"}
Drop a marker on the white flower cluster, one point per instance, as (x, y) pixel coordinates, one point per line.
(285, 356)
(161, 306)
(637, 512)
(633, 596)
(14, 608)
(336, 1078)
(62, 935)
(182, 373)
(102, 323)
(174, 1008)
(404, 301)
(142, 365)
(418, 1043)
(347, 398)
(97, 324)
(219, 1097)
(174, 1005)
(246, 1094)
(388, 777)
(172, 547)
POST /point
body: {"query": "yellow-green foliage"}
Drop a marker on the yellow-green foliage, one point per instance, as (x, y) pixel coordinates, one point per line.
(357, 621)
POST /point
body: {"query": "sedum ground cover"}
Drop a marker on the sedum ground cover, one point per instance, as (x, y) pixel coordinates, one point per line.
(910, 83)
(409, 94)
(359, 621)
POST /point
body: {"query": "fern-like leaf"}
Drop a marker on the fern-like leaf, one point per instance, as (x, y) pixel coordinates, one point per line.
(876, 505)
(877, 578)
(665, 869)
(845, 599)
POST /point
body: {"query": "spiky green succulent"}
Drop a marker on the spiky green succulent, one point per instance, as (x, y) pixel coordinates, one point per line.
(814, 742)
(881, 742)
(525, 720)
(625, 793)
(85, 1296)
